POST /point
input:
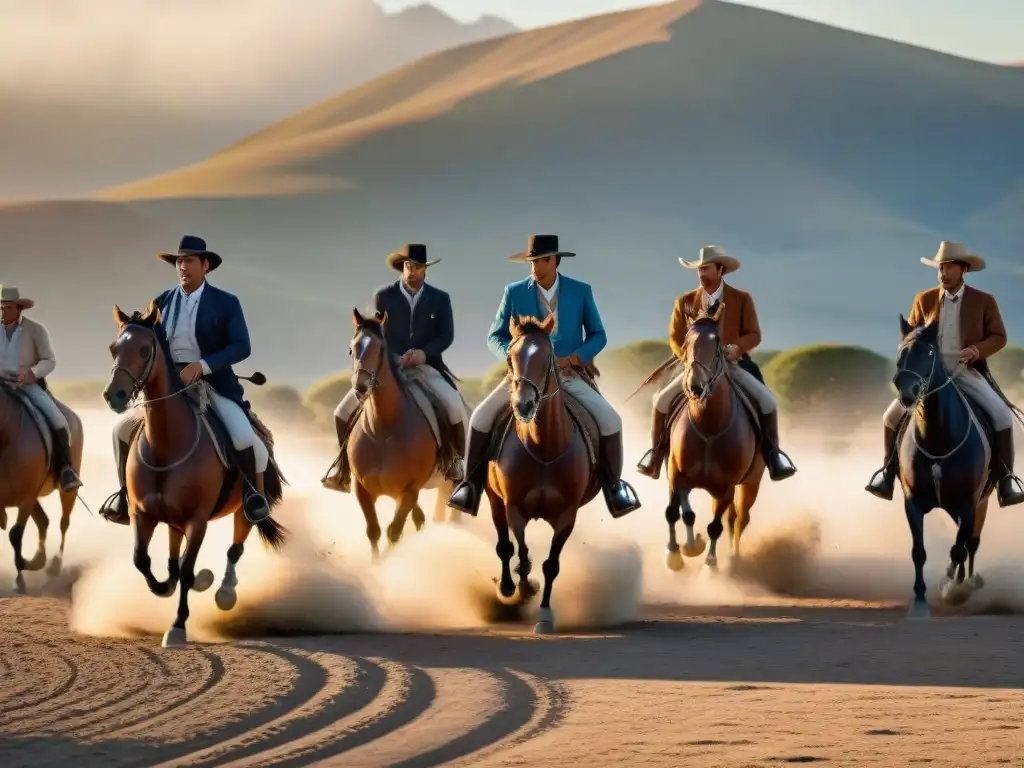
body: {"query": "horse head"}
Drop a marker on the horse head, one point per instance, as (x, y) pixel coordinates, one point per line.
(917, 362)
(531, 365)
(703, 352)
(368, 350)
(135, 351)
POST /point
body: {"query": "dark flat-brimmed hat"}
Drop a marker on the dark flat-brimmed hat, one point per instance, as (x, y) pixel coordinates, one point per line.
(540, 246)
(414, 252)
(11, 295)
(191, 245)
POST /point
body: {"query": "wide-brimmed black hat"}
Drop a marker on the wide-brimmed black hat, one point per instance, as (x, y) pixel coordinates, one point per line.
(191, 245)
(540, 246)
(414, 252)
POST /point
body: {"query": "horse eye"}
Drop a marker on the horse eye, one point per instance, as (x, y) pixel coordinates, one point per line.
(146, 352)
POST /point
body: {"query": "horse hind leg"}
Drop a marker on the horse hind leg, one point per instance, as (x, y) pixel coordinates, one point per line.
(956, 590)
(419, 519)
(368, 504)
(177, 636)
(42, 521)
(974, 542)
(546, 621)
(526, 587)
(406, 505)
(144, 529)
(16, 536)
(739, 511)
(67, 504)
(719, 506)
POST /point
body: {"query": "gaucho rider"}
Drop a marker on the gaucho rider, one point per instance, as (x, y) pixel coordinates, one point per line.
(205, 332)
(578, 337)
(741, 333)
(26, 358)
(971, 330)
(420, 328)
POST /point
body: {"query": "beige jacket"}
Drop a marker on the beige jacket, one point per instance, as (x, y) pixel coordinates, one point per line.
(34, 348)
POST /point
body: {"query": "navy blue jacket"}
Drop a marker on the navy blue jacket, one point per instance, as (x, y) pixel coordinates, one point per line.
(431, 328)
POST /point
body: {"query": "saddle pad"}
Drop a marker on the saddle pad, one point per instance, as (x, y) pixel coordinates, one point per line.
(427, 403)
(42, 425)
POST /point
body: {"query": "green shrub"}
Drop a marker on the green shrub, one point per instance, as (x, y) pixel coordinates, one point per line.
(493, 377)
(764, 356)
(326, 393)
(839, 383)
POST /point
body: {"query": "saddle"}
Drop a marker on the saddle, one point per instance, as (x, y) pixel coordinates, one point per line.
(38, 419)
(580, 416)
(678, 408)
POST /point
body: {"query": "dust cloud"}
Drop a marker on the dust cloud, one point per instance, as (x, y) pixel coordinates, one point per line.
(816, 537)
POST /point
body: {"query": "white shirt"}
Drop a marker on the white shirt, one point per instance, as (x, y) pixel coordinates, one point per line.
(10, 358)
(950, 342)
(711, 298)
(181, 327)
(412, 298)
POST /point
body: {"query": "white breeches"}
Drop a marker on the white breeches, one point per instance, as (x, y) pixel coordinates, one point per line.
(449, 397)
(752, 388)
(608, 420)
(973, 385)
(47, 406)
(240, 429)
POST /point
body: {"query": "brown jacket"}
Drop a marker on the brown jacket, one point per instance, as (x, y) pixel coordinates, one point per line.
(981, 325)
(739, 319)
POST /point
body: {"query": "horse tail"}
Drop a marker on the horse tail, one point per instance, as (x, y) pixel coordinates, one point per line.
(273, 533)
(273, 482)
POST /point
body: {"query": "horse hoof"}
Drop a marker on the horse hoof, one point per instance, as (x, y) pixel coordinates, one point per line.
(711, 564)
(546, 624)
(918, 611)
(19, 584)
(174, 638)
(977, 582)
(203, 580)
(955, 593)
(698, 546)
(225, 597)
(674, 561)
(53, 569)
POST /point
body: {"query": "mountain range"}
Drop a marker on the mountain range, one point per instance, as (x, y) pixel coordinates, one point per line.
(828, 161)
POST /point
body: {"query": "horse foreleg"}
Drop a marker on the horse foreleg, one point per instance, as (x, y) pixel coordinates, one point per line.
(694, 543)
(144, 529)
(719, 506)
(915, 518)
(67, 504)
(406, 504)
(195, 532)
(42, 521)
(226, 596)
(673, 559)
(16, 535)
(526, 588)
(368, 504)
(954, 590)
(504, 549)
(546, 621)
(980, 513)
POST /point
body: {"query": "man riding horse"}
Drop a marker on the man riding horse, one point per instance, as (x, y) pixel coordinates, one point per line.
(26, 359)
(971, 330)
(741, 334)
(578, 337)
(420, 328)
(204, 332)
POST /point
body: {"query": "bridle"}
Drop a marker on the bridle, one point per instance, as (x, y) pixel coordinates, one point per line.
(550, 371)
(712, 373)
(373, 377)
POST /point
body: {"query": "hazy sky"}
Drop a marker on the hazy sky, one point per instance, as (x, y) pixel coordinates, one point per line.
(988, 30)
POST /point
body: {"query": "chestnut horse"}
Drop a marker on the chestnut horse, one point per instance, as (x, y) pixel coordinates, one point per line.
(391, 447)
(546, 474)
(26, 478)
(714, 446)
(174, 475)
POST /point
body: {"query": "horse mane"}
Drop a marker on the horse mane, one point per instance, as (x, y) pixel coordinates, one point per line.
(527, 324)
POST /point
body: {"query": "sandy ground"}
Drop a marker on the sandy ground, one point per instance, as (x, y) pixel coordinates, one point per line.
(804, 656)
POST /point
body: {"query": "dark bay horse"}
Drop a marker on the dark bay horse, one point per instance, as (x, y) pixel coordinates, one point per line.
(391, 447)
(174, 475)
(26, 477)
(714, 446)
(545, 474)
(944, 461)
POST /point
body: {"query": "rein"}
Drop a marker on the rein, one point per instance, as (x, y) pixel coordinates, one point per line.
(926, 393)
(550, 371)
(714, 373)
(374, 381)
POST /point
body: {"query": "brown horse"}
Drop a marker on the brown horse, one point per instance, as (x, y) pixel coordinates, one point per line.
(546, 474)
(27, 477)
(714, 446)
(391, 447)
(174, 475)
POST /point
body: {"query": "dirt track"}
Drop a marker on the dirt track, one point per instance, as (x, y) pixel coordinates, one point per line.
(730, 687)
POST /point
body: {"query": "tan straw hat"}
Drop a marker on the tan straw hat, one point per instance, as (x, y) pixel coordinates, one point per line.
(952, 251)
(11, 295)
(713, 254)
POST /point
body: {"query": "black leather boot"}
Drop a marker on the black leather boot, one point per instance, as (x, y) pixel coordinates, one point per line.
(115, 508)
(66, 474)
(339, 478)
(253, 501)
(883, 482)
(650, 464)
(467, 494)
(619, 495)
(778, 463)
(1009, 489)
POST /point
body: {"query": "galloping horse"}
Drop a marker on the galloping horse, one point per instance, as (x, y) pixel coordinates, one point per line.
(174, 474)
(547, 473)
(944, 459)
(391, 448)
(714, 446)
(26, 477)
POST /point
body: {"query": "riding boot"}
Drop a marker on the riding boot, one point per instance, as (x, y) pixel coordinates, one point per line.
(650, 464)
(115, 508)
(778, 463)
(883, 482)
(253, 501)
(457, 471)
(619, 495)
(467, 494)
(66, 474)
(340, 476)
(1009, 489)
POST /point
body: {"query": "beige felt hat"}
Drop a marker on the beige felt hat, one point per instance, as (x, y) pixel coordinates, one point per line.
(713, 254)
(952, 251)
(11, 295)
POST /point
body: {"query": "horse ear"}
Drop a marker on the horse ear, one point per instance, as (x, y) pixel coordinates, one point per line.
(120, 317)
(383, 318)
(905, 327)
(356, 317)
(152, 315)
(718, 310)
(549, 323)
